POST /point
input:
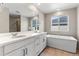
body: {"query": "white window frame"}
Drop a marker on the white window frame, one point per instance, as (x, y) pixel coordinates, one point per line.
(65, 30)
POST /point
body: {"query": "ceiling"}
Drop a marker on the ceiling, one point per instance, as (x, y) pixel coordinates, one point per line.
(20, 9)
(23, 8)
(52, 7)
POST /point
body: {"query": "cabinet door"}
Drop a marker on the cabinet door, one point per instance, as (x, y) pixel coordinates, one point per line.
(29, 50)
(18, 52)
(43, 45)
(37, 46)
(43, 38)
(40, 44)
(1, 51)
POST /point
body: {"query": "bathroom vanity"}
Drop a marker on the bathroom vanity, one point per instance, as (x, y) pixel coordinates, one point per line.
(25, 44)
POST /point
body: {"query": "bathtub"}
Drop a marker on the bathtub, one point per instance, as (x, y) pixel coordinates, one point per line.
(66, 43)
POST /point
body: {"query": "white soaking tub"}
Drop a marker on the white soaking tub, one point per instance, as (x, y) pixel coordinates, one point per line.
(66, 43)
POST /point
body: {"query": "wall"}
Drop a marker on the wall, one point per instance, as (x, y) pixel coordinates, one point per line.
(41, 21)
(78, 25)
(24, 23)
(72, 13)
(4, 20)
(78, 22)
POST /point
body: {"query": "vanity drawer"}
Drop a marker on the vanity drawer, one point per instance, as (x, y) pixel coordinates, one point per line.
(11, 47)
(17, 52)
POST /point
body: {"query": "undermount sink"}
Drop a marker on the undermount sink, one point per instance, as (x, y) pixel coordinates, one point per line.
(18, 36)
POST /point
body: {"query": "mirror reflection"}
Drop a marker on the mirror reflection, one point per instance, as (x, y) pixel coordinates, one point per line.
(22, 17)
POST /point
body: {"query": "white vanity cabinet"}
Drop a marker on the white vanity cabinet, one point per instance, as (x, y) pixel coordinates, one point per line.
(31, 46)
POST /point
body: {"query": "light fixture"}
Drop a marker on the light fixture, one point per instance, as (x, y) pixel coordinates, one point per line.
(2, 6)
(32, 7)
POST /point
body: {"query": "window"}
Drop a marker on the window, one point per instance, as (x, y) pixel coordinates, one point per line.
(60, 23)
(35, 23)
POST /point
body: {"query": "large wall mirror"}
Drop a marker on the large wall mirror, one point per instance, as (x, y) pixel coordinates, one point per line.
(21, 17)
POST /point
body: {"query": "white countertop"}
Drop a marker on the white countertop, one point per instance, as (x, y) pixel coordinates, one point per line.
(7, 38)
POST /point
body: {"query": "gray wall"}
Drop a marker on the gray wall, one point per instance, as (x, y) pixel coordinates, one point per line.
(4, 20)
(78, 25)
(72, 13)
(41, 21)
